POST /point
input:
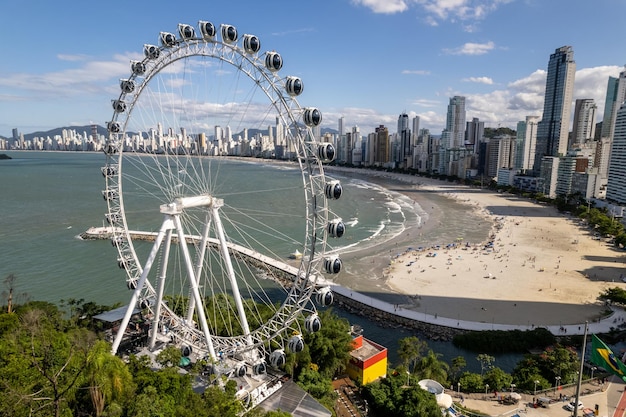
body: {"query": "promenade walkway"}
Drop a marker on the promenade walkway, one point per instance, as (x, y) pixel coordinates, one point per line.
(604, 325)
(610, 398)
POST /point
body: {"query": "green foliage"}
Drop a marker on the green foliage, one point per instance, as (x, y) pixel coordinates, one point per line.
(319, 386)
(107, 378)
(389, 396)
(431, 367)
(499, 341)
(331, 346)
(458, 364)
(614, 295)
(555, 361)
(170, 356)
(497, 379)
(471, 382)
(410, 350)
(486, 362)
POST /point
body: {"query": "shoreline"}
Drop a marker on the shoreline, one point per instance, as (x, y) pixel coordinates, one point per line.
(543, 268)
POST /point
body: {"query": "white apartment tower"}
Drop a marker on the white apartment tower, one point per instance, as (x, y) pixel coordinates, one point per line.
(584, 127)
(455, 123)
(616, 185)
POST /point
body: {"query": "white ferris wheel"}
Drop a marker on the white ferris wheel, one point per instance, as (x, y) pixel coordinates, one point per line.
(205, 239)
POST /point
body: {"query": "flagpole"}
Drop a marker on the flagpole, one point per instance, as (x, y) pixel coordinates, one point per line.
(580, 373)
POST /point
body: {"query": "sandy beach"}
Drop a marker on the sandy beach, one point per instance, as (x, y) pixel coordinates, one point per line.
(536, 267)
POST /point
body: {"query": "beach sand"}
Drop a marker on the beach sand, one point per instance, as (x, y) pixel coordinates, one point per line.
(543, 268)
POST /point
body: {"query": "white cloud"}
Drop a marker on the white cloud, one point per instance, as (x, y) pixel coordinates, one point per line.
(480, 80)
(434, 11)
(471, 49)
(426, 103)
(416, 72)
(524, 97)
(68, 57)
(383, 6)
(460, 9)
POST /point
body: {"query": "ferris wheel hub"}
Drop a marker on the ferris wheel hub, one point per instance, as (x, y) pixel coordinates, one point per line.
(181, 203)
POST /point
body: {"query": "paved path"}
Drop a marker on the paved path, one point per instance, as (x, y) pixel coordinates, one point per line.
(602, 326)
(611, 402)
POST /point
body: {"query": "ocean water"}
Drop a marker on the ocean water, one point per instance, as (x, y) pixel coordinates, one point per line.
(49, 198)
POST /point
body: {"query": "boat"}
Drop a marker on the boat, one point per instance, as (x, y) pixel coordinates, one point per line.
(296, 255)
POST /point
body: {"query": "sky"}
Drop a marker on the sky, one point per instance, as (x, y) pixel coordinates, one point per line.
(367, 61)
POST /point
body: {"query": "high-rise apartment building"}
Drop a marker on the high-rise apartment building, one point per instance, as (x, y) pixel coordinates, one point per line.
(584, 127)
(415, 129)
(381, 145)
(525, 144)
(404, 134)
(453, 135)
(616, 185)
(474, 132)
(615, 96)
(553, 129)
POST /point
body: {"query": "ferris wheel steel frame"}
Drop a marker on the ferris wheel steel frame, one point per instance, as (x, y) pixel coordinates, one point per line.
(317, 190)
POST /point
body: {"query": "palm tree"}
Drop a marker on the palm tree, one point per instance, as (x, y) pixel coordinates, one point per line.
(107, 376)
(431, 367)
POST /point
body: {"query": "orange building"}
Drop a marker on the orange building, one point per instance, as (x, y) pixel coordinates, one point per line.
(368, 360)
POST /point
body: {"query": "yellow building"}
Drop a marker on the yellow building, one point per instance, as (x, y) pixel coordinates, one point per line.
(368, 360)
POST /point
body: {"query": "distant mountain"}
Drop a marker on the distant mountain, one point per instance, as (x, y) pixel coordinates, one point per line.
(59, 131)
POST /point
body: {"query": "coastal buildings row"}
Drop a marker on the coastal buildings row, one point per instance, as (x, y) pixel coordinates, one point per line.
(544, 155)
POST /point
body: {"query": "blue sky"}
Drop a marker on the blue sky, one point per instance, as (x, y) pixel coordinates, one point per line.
(365, 60)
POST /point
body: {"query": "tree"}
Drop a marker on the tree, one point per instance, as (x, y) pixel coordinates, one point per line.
(319, 386)
(170, 356)
(108, 378)
(410, 350)
(45, 363)
(389, 396)
(331, 346)
(458, 364)
(486, 362)
(471, 382)
(497, 379)
(430, 367)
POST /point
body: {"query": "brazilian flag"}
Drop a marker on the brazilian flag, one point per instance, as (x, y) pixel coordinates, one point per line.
(602, 356)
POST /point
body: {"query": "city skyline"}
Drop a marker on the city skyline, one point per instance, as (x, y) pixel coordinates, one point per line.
(65, 68)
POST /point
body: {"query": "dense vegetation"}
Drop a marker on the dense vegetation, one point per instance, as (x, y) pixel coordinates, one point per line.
(57, 366)
(53, 363)
(499, 341)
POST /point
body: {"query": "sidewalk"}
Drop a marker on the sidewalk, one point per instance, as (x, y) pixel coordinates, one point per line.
(609, 402)
(604, 325)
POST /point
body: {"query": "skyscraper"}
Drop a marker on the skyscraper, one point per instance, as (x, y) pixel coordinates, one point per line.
(584, 127)
(526, 142)
(553, 129)
(454, 132)
(615, 96)
(381, 145)
(616, 185)
(474, 134)
(404, 133)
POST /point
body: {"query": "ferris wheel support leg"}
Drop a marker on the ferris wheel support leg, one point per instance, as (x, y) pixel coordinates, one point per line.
(161, 285)
(182, 241)
(167, 224)
(199, 264)
(231, 274)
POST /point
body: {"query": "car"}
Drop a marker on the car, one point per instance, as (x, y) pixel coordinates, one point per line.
(570, 405)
